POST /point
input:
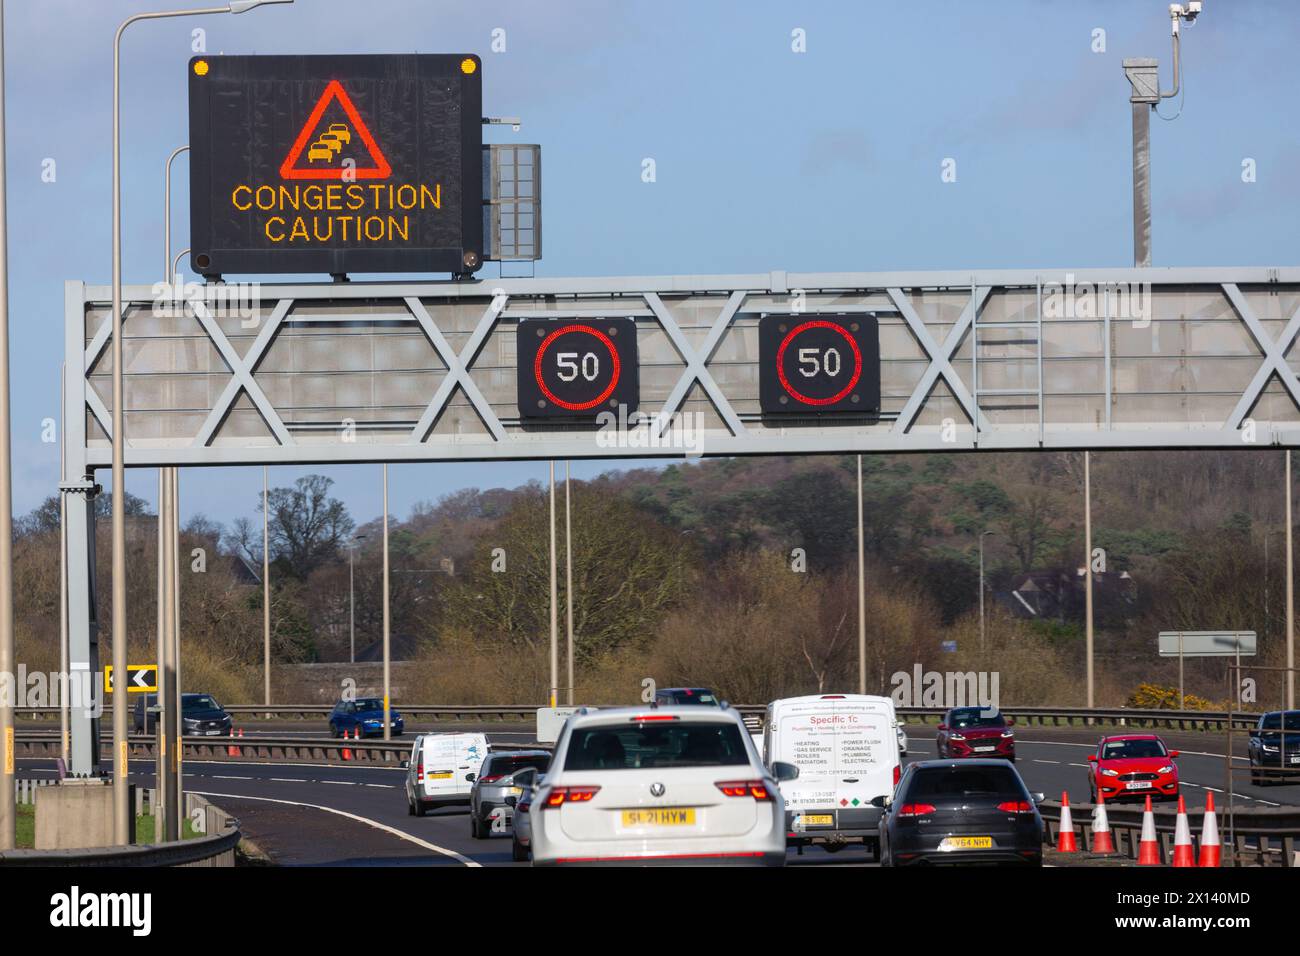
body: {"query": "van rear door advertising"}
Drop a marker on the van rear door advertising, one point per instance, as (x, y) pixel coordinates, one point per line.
(336, 164)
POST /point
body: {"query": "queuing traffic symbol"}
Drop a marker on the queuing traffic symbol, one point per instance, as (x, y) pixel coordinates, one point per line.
(331, 140)
(578, 368)
(818, 364)
(140, 679)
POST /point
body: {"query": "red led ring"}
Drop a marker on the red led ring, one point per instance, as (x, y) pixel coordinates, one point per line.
(780, 363)
(541, 383)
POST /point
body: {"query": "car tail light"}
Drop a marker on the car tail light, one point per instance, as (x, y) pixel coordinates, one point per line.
(491, 778)
(745, 788)
(562, 795)
(915, 809)
(645, 718)
(832, 696)
(419, 769)
(1016, 806)
(898, 772)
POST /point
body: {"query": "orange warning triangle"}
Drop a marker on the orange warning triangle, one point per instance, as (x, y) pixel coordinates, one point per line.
(328, 145)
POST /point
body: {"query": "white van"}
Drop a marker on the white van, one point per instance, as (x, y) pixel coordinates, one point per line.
(441, 770)
(846, 749)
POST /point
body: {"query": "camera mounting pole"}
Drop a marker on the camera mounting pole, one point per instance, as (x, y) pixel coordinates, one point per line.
(1142, 74)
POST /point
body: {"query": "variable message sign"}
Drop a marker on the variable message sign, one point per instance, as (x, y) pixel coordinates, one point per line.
(578, 368)
(336, 164)
(819, 364)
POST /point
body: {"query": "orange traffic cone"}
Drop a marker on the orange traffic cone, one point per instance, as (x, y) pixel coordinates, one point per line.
(231, 749)
(1148, 847)
(1101, 841)
(1065, 839)
(347, 751)
(1210, 846)
(1183, 852)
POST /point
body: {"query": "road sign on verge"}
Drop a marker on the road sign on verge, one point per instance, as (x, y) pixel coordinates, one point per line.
(140, 679)
(336, 164)
(1207, 643)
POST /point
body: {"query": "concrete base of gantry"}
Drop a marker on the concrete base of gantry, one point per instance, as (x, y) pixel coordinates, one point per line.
(77, 814)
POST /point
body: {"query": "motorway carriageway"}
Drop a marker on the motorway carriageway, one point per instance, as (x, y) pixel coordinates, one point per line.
(351, 815)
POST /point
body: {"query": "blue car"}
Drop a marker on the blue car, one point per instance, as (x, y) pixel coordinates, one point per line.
(365, 715)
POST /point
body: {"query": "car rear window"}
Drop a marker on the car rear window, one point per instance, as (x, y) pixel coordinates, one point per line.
(505, 765)
(1131, 749)
(639, 746)
(944, 782)
(686, 698)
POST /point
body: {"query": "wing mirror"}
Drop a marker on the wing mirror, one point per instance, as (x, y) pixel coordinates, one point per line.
(1173, 753)
(882, 801)
(405, 763)
(942, 727)
(784, 771)
(471, 777)
(511, 801)
(1038, 796)
(1092, 758)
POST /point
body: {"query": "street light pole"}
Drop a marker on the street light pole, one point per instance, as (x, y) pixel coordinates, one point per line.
(1290, 595)
(983, 535)
(8, 810)
(862, 594)
(121, 804)
(555, 641)
(266, 594)
(568, 581)
(387, 706)
(1087, 567)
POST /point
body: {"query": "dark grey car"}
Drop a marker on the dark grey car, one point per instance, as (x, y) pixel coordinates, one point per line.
(495, 782)
(961, 811)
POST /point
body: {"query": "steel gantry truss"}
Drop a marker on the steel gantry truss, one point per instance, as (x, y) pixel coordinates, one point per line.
(425, 371)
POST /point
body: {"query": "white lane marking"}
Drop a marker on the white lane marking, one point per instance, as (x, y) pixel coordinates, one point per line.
(458, 857)
(1083, 765)
(217, 776)
(289, 779)
(1267, 803)
(1036, 760)
(381, 786)
(339, 783)
(1207, 787)
(341, 765)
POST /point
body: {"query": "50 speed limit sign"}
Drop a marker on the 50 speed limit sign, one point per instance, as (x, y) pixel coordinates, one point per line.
(576, 368)
(819, 364)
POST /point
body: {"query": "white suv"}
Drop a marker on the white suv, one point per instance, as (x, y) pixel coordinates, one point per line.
(658, 785)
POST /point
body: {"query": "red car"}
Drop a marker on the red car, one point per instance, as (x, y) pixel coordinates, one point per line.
(975, 732)
(1133, 766)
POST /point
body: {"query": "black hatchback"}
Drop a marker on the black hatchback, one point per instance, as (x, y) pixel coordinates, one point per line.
(967, 811)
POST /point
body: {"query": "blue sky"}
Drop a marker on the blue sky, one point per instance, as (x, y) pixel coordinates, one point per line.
(766, 158)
